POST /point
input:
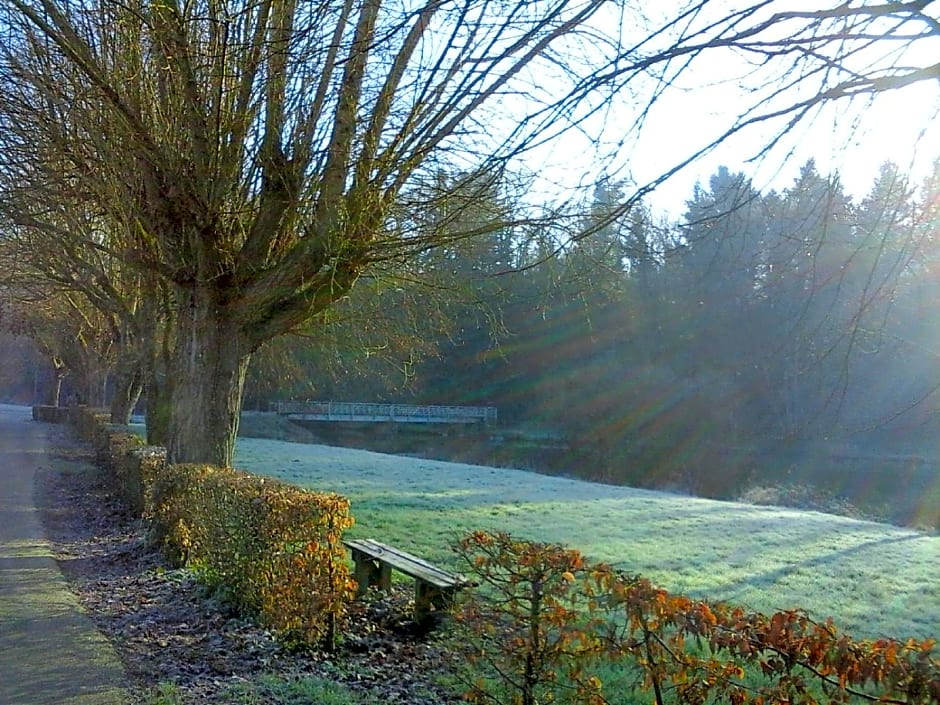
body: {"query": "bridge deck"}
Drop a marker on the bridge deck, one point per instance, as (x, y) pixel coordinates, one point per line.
(387, 413)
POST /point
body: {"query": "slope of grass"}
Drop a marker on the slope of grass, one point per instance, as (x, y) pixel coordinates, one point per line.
(873, 579)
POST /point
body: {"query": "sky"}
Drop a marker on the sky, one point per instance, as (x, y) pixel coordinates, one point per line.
(902, 126)
(854, 139)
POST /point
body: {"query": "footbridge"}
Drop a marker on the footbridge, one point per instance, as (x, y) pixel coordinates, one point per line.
(388, 413)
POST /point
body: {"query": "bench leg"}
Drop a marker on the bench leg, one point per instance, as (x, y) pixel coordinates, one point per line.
(430, 599)
(370, 572)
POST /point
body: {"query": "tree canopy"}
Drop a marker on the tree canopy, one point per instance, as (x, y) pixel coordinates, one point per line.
(257, 158)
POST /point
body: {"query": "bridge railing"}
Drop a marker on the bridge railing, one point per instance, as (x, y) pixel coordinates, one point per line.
(376, 412)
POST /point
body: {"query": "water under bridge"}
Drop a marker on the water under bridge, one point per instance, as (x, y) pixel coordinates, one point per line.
(389, 413)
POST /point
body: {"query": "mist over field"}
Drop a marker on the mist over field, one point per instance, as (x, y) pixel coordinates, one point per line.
(873, 579)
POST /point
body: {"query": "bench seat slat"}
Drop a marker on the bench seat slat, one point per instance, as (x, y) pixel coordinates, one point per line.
(435, 588)
(407, 563)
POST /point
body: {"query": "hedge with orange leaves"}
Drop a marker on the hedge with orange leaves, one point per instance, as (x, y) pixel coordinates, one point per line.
(550, 619)
(273, 550)
(270, 548)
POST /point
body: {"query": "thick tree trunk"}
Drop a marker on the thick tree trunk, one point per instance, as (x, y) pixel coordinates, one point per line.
(158, 383)
(90, 382)
(209, 367)
(159, 399)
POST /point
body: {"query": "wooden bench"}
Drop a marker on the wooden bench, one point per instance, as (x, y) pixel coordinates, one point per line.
(435, 588)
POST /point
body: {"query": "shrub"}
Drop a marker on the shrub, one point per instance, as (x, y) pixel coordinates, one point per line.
(549, 614)
(88, 423)
(133, 467)
(136, 472)
(802, 496)
(525, 629)
(926, 513)
(50, 414)
(113, 449)
(274, 550)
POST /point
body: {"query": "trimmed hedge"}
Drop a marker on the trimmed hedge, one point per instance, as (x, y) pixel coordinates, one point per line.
(119, 452)
(50, 414)
(89, 423)
(135, 474)
(272, 549)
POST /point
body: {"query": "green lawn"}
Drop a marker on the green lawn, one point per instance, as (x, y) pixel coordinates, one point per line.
(873, 579)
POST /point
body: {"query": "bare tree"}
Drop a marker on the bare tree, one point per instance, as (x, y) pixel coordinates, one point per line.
(262, 154)
(72, 255)
(68, 332)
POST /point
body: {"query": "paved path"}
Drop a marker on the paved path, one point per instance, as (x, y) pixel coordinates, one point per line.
(50, 651)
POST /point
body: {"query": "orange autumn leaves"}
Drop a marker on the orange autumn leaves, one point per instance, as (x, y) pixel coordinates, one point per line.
(547, 624)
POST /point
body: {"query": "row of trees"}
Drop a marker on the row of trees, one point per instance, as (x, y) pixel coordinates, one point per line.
(197, 179)
(758, 322)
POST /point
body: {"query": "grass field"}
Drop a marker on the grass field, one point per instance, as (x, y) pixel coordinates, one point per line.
(873, 579)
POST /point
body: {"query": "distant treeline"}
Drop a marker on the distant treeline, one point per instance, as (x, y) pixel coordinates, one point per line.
(699, 354)
(725, 350)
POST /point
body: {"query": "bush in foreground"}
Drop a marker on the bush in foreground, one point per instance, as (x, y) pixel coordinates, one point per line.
(547, 626)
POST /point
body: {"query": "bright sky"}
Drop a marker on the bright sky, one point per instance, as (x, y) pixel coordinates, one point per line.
(901, 126)
(852, 138)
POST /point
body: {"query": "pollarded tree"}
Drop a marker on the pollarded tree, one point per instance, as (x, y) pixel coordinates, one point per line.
(260, 150)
